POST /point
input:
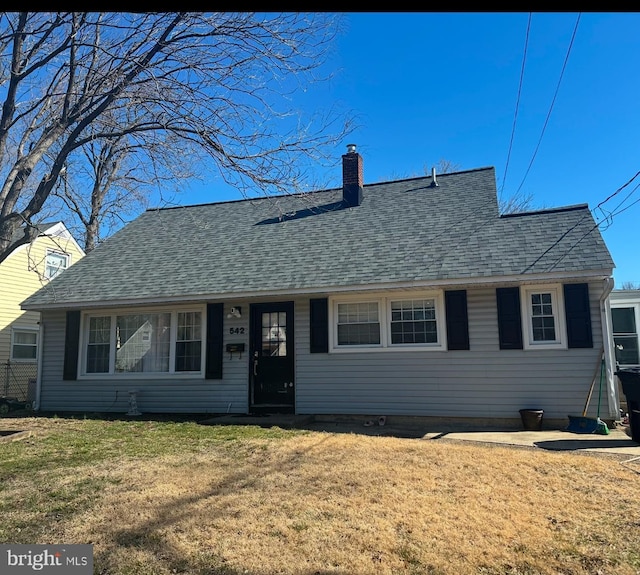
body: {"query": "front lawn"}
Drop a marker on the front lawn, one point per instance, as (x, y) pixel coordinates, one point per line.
(164, 497)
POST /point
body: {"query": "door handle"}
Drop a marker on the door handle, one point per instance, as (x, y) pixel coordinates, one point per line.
(255, 367)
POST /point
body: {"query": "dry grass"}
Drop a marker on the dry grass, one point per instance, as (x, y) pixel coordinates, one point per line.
(162, 498)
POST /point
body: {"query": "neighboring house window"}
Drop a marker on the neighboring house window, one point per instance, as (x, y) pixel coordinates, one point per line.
(24, 344)
(625, 334)
(143, 343)
(543, 313)
(406, 321)
(55, 263)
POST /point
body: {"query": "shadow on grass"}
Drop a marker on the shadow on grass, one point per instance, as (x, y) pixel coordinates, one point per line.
(148, 536)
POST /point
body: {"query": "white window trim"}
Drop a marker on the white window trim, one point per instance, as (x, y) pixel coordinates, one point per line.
(113, 313)
(628, 303)
(29, 328)
(384, 316)
(557, 301)
(58, 253)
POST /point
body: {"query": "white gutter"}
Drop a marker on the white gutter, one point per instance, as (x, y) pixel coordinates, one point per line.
(36, 401)
(609, 353)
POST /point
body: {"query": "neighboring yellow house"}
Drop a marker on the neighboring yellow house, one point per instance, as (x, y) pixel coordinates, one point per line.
(25, 271)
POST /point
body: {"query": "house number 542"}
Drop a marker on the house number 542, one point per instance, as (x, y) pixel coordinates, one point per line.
(236, 330)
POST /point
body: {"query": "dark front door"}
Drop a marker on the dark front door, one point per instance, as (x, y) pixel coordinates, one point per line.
(271, 385)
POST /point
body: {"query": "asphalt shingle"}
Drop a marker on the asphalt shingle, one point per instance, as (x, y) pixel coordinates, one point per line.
(403, 231)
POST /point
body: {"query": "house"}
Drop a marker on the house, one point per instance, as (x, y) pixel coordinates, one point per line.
(411, 298)
(25, 271)
(625, 318)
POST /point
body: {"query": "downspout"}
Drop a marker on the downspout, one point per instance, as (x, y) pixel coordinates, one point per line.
(609, 354)
(36, 401)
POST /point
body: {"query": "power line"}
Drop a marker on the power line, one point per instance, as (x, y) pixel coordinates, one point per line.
(566, 59)
(515, 116)
(608, 216)
(622, 187)
(597, 224)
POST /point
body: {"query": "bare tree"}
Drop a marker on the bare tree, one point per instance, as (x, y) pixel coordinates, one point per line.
(629, 285)
(443, 166)
(101, 190)
(108, 181)
(517, 203)
(219, 83)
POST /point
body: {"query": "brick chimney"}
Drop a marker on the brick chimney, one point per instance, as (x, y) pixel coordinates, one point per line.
(352, 178)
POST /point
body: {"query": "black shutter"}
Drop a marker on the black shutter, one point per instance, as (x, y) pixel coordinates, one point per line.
(213, 361)
(71, 345)
(457, 319)
(319, 325)
(578, 315)
(509, 318)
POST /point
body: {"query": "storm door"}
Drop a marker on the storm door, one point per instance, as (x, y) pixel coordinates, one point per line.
(271, 371)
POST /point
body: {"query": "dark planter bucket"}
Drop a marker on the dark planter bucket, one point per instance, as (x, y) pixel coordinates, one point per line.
(531, 419)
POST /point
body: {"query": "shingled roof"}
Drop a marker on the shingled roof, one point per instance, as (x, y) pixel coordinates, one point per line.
(43, 228)
(406, 232)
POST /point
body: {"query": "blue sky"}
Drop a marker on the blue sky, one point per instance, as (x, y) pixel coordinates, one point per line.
(444, 86)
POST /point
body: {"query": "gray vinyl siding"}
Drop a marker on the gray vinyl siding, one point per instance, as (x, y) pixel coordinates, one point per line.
(156, 395)
(483, 381)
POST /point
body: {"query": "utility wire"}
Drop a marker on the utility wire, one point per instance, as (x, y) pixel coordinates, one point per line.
(588, 232)
(515, 116)
(608, 216)
(575, 29)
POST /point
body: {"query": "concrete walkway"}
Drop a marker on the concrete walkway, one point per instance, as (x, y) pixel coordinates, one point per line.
(617, 442)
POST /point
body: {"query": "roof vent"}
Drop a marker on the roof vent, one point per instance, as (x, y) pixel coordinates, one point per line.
(352, 177)
(434, 182)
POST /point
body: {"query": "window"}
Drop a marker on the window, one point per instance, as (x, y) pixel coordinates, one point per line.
(150, 342)
(274, 334)
(24, 344)
(358, 323)
(398, 322)
(543, 324)
(543, 313)
(143, 343)
(189, 341)
(98, 345)
(625, 334)
(55, 263)
(414, 321)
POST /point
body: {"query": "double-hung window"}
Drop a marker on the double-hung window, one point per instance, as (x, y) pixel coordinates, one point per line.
(189, 341)
(402, 321)
(358, 323)
(414, 321)
(145, 342)
(543, 313)
(24, 344)
(625, 333)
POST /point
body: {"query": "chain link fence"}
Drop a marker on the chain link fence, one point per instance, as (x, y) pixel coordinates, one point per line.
(18, 381)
